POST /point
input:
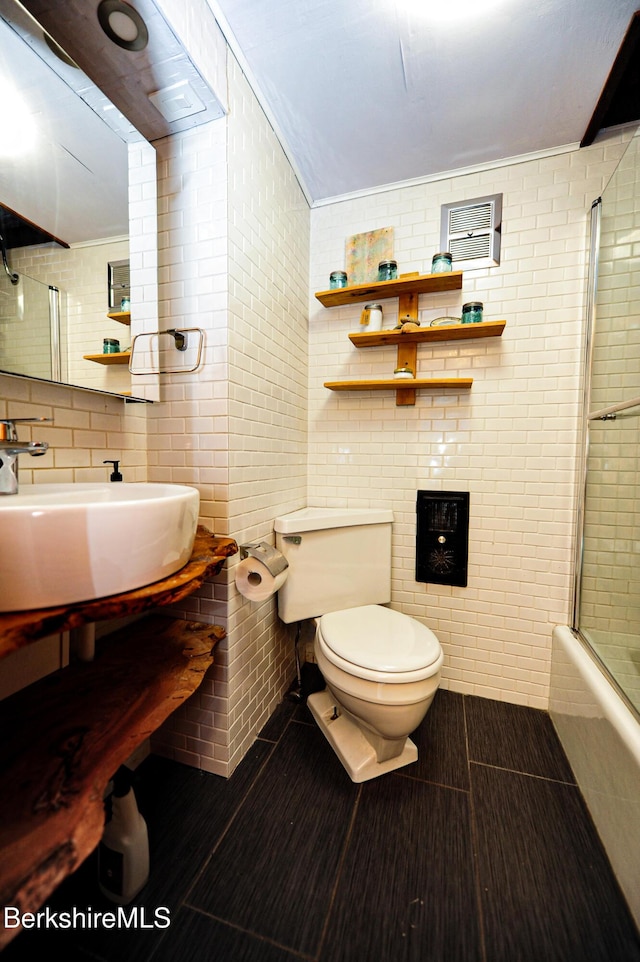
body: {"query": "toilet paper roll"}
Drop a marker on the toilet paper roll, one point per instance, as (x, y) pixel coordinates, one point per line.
(255, 582)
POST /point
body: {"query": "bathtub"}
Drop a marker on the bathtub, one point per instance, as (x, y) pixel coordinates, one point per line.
(601, 738)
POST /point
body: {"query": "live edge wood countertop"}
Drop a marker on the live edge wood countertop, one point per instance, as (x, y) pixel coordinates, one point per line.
(65, 736)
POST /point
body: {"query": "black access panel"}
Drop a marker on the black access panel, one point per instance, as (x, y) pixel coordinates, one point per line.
(442, 537)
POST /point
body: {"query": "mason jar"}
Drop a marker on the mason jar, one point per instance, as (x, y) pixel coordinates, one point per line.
(387, 270)
(337, 279)
(472, 312)
(371, 317)
(441, 262)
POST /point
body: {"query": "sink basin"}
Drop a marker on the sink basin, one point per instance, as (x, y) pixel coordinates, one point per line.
(63, 543)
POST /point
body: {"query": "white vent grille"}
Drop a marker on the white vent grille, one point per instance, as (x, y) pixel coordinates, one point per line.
(471, 231)
(468, 248)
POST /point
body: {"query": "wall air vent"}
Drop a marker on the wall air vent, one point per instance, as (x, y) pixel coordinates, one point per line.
(471, 231)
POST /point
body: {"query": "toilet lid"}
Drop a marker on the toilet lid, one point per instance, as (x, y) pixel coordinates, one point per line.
(380, 639)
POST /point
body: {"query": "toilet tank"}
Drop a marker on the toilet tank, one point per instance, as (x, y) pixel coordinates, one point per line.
(338, 558)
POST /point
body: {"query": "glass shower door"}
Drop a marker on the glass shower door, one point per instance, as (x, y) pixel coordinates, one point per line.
(607, 596)
(609, 615)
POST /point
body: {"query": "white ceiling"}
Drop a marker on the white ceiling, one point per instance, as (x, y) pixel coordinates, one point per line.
(362, 93)
(371, 92)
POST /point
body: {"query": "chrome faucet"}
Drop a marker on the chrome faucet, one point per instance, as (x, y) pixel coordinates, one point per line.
(10, 448)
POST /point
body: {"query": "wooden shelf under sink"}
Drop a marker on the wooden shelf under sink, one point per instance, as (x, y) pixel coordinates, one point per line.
(67, 735)
(69, 732)
(19, 628)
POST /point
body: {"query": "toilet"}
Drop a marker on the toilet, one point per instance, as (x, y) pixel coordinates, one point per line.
(381, 667)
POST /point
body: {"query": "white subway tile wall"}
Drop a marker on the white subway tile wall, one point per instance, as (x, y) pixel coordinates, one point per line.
(268, 332)
(511, 441)
(234, 258)
(188, 429)
(87, 428)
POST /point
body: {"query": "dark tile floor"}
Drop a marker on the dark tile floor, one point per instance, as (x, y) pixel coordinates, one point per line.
(482, 850)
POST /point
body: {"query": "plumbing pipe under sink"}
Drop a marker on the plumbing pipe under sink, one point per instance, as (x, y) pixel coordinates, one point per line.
(84, 641)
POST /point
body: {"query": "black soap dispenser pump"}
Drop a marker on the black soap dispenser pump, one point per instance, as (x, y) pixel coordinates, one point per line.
(123, 853)
(115, 474)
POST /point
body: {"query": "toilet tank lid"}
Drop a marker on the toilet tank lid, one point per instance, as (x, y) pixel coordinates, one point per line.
(316, 519)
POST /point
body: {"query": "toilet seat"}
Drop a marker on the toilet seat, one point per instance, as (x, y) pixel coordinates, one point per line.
(379, 644)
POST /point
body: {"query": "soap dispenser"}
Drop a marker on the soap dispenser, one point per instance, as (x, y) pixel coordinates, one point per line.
(115, 474)
(123, 853)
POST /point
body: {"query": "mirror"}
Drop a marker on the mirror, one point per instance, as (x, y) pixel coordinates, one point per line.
(65, 156)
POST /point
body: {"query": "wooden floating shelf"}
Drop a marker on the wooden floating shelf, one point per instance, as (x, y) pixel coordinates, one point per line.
(122, 317)
(401, 384)
(453, 332)
(407, 289)
(411, 284)
(121, 357)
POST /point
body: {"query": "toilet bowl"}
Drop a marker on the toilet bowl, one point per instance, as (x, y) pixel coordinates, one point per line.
(381, 667)
(382, 670)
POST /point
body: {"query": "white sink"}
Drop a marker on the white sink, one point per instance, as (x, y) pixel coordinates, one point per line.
(62, 543)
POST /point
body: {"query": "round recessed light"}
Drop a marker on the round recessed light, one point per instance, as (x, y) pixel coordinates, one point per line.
(123, 25)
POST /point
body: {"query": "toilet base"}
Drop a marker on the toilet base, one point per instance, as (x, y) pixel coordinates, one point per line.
(352, 748)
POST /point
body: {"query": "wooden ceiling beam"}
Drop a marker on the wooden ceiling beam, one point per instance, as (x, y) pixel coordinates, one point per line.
(612, 107)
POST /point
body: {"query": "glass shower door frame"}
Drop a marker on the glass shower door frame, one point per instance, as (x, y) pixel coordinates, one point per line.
(592, 290)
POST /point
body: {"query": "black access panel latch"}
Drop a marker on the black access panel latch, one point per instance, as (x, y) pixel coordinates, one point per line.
(442, 537)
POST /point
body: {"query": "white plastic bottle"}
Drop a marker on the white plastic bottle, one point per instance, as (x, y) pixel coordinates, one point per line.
(123, 853)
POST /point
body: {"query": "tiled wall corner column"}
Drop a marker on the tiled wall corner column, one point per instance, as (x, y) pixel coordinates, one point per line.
(234, 235)
(268, 291)
(188, 428)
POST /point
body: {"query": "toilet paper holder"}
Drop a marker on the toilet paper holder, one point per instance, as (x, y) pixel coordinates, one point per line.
(273, 560)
